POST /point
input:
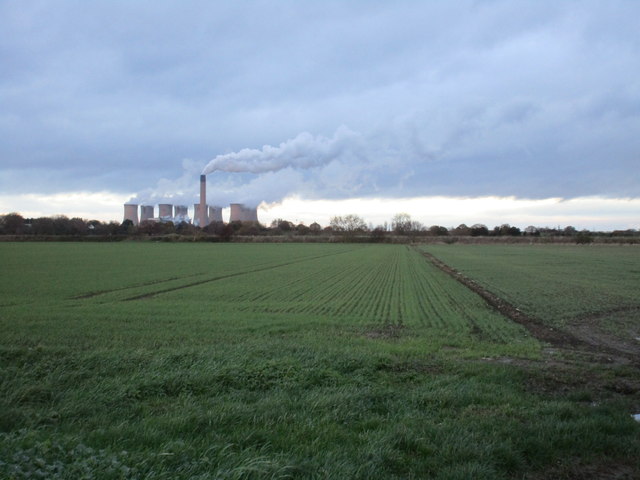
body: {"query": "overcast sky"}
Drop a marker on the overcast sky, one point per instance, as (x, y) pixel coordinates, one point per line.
(102, 101)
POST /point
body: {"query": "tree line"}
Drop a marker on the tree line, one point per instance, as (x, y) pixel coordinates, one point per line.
(348, 226)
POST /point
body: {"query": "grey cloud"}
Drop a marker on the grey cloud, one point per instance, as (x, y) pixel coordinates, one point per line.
(458, 98)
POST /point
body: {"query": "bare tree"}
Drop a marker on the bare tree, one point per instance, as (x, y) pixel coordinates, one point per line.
(349, 223)
(401, 223)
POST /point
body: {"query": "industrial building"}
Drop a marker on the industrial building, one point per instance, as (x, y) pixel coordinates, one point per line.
(203, 214)
(146, 213)
(240, 213)
(131, 212)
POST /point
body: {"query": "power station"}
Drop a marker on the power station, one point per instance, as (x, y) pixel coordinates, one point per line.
(203, 214)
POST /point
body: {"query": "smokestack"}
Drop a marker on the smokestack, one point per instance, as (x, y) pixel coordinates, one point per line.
(146, 212)
(131, 212)
(203, 201)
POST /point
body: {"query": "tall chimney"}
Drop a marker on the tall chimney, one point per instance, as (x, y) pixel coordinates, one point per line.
(203, 201)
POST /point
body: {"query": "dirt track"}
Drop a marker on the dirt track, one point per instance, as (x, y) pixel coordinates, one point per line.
(585, 337)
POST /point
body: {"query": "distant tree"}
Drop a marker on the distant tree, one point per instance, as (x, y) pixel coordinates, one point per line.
(235, 225)
(302, 229)
(282, 225)
(127, 227)
(112, 228)
(401, 223)
(12, 224)
(315, 228)
(549, 232)
(249, 228)
(624, 233)
(62, 225)
(227, 232)
(150, 227)
(506, 230)
(462, 229)
(584, 237)
(569, 231)
(417, 228)
(479, 230)
(214, 228)
(42, 226)
(438, 230)
(378, 234)
(336, 224)
(185, 228)
(77, 226)
(532, 231)
(349, 223)
(95, 227)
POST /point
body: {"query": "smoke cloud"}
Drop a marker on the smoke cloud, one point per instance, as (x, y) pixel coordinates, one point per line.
(183, 190)
(304, 151)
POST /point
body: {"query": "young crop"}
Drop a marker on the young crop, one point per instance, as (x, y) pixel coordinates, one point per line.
(558, 284)
(140, 360)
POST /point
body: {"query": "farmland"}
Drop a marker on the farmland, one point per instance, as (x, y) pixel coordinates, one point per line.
(141, 360)
(569, 287)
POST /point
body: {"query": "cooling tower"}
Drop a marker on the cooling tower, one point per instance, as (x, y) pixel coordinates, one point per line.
(146, 212)
(196, 215)
(240, 213)
(165, 211)
(131, 212)
(215, 214)
(236, 213)
(251, 214)
(202, 210)
(180, 211)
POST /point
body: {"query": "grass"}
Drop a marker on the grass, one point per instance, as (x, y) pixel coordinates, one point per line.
(275, 361)
(557, 283)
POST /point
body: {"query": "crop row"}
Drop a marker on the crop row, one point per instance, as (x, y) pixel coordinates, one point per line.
(557, 284)
(365, 285)
(148, 284)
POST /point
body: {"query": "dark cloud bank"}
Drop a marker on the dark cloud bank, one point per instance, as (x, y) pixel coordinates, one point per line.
(327, 100)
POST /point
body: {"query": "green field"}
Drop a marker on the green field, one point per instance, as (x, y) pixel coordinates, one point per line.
(562, 285)
(158, 360)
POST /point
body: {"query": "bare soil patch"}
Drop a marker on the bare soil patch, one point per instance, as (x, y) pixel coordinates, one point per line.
(387, 331)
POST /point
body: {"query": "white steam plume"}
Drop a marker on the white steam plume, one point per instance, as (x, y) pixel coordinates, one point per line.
(303, 151)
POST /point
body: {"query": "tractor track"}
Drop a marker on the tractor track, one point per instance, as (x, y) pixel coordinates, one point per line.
(595, 344)
(222, 277)
(97, 293)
